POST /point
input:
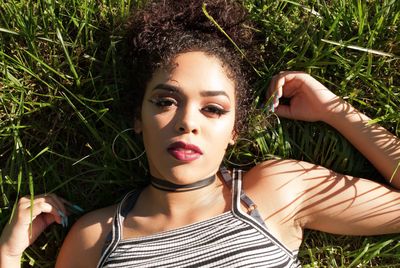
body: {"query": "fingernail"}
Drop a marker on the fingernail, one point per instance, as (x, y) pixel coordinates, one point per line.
(276, 96)
(64, 219)
(269, 106)
(62, 215)
(78, 208)
(279, 92)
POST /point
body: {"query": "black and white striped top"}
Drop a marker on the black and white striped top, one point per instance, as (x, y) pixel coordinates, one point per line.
(231, 239)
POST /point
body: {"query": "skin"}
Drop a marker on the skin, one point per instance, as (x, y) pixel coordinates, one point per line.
(291, 195)
(184, 105)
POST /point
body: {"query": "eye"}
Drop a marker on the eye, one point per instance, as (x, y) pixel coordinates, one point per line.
(164, 102)
(215, 110)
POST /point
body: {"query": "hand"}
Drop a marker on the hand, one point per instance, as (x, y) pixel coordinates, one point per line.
(309, 99)
(18, 235)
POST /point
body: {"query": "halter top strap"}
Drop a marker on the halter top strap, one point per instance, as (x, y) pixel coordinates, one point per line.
(242, 197)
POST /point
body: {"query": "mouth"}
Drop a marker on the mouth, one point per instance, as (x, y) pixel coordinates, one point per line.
(184, 152)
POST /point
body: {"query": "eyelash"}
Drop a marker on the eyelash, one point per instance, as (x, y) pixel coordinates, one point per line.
(215, 110)
(162, 102)
(167, 102)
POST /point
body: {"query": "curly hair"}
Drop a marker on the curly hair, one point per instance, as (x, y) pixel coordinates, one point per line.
(161, 30)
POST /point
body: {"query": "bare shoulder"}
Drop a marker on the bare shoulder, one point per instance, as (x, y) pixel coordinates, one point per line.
(84, 242)
(280, 189)
(279, 180)
(287, 181)
(281, 171)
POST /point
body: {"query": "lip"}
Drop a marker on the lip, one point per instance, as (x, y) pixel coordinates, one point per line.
(184, 152)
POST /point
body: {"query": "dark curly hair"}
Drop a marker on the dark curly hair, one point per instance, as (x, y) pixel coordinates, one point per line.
(162, 29)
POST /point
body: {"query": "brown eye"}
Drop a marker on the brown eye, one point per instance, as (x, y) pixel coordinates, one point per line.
(164, 102)
(215, 110)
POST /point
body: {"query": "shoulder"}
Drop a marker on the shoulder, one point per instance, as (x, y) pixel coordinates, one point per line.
(284, 185)
(281, 171)
(298, 191)
(284, 171)
(272, 178)
(84, 242)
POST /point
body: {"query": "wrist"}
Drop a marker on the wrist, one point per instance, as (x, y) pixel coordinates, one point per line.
(6, 255)
(8, 261)
(339, 112)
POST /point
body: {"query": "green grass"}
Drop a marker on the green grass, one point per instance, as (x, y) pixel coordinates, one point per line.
(60, 104)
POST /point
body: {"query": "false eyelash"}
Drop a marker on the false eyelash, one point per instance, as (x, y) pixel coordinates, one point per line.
(159, 102)
(216, 110)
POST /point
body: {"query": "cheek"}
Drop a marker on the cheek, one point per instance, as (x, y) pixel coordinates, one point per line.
(151, 120)
(222, 131)
(156, 125)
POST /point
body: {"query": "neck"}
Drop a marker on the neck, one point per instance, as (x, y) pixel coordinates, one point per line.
(176, 203)
(167, 186)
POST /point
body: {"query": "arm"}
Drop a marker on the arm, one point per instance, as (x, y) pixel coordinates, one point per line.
(18, 234)
(377, 144)
(313, 197)
(83, 245)
(312, 101)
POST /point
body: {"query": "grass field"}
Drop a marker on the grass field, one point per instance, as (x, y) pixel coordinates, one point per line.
(60, 104)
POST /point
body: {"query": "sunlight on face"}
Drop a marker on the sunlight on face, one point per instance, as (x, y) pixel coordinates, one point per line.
(188, 117)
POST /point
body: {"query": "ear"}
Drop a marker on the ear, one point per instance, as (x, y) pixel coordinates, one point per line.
(233, 138)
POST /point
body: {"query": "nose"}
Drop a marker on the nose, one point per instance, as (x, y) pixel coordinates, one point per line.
(186, 121)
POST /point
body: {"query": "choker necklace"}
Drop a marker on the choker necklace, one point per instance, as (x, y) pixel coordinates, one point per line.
(172, 187)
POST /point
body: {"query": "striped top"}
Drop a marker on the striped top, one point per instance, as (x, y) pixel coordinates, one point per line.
(231, 239)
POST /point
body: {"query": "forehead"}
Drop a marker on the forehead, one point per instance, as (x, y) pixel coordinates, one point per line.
(196, 71)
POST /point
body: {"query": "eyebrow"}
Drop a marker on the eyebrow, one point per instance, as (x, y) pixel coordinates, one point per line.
(203, 93)
(167, 87)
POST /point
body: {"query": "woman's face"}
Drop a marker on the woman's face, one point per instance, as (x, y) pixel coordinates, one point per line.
(187, 118)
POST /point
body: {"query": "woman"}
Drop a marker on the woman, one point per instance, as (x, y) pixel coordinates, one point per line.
(192, 99)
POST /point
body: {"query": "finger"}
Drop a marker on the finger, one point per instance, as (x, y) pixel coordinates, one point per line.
(291, 82)
(291, 75)
(278, 91)
(73, 208)
(59, 202)
(271, 87)
(45, 206)
(25, 202)
(276, 82)
(278, 87)
(284, 111)
(48, 208)
(59, 214)
(62, 212)
(41, 204)
(272, 94)
(42, 221)
(300, 81)
(279, 84)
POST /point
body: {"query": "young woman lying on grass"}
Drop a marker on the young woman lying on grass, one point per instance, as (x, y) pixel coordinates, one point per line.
(191, 94)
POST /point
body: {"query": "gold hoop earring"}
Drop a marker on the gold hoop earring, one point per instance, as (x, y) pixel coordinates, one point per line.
(240, 147)
(116, 155)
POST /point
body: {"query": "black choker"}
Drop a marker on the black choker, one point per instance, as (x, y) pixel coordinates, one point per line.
(172, 187)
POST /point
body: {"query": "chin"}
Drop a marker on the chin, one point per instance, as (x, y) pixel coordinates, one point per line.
(183, 173)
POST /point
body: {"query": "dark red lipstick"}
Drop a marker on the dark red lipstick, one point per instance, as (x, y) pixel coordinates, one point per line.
(184, 152)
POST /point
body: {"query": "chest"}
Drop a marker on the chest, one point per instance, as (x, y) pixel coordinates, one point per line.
(224, 241)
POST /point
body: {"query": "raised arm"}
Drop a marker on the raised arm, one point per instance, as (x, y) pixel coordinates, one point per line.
(312, 101)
